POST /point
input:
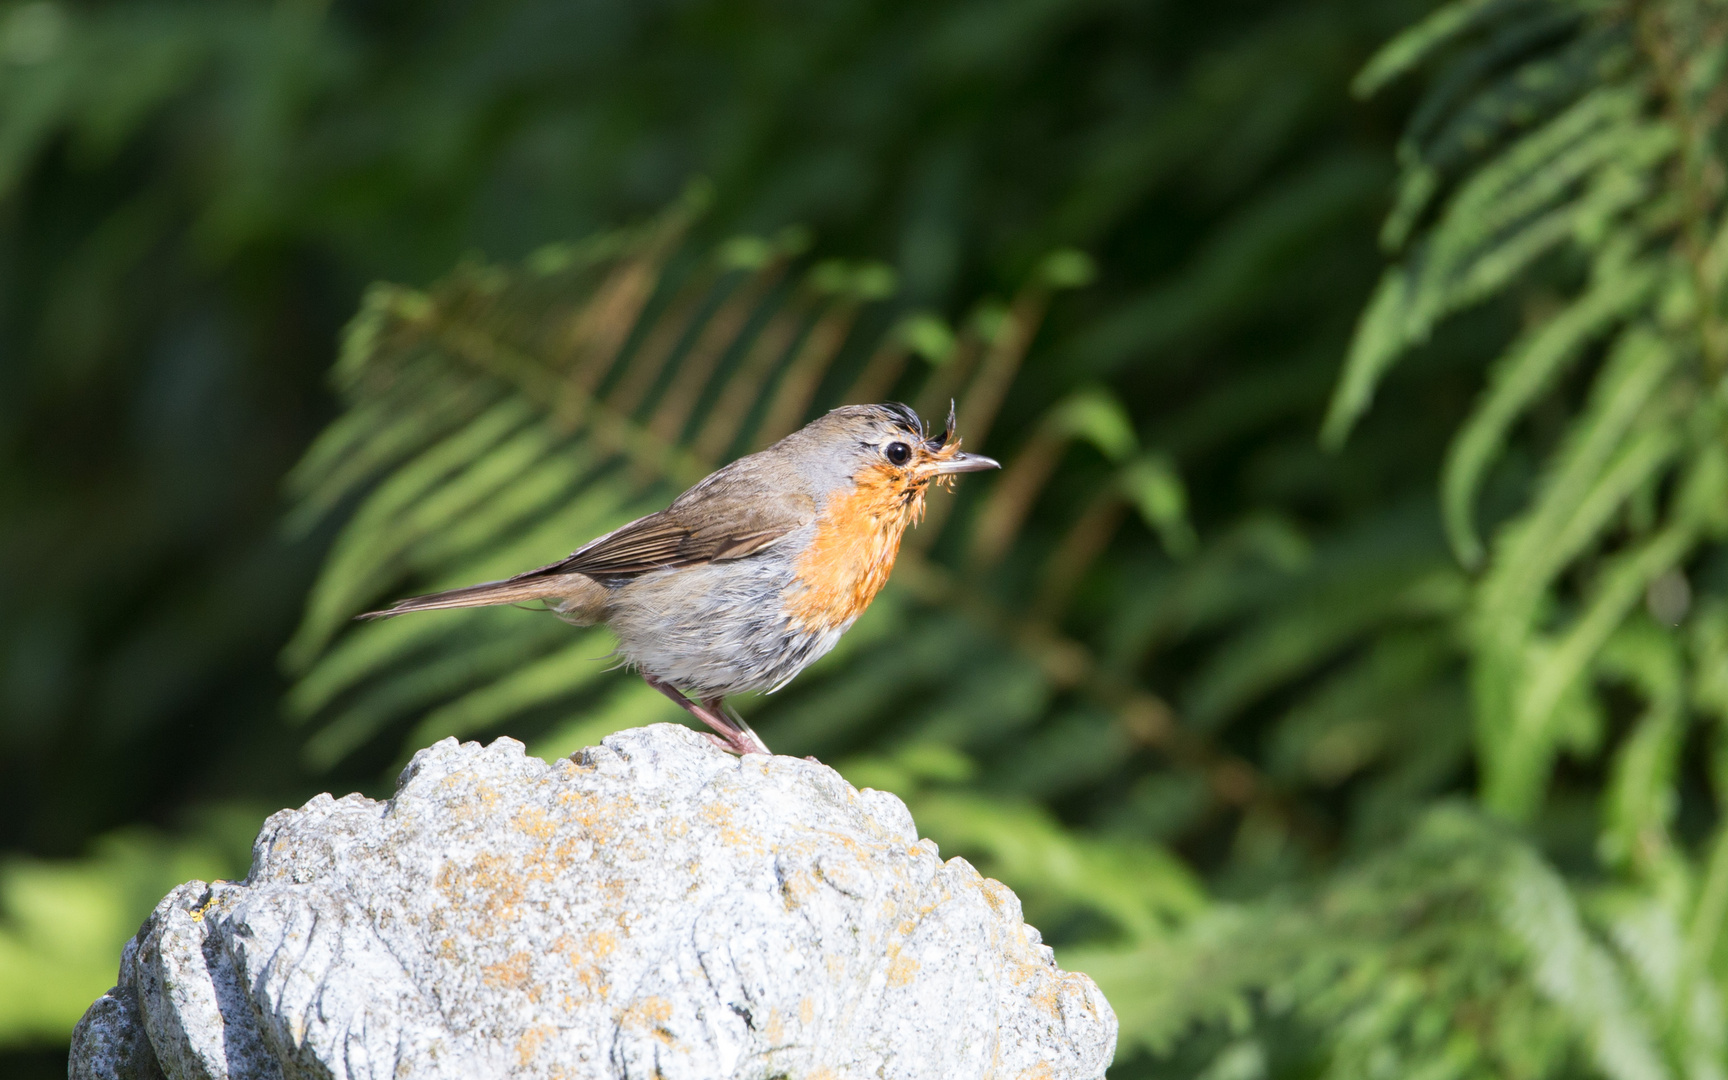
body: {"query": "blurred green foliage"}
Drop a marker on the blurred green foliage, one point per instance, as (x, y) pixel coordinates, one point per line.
(1336, 669)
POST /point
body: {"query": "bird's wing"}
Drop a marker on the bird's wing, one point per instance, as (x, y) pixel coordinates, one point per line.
(714, 526)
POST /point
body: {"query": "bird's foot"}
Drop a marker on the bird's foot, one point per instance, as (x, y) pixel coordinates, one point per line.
(740, 729)
(732, 736)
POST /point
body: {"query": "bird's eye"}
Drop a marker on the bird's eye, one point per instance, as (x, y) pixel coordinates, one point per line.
(898, 453)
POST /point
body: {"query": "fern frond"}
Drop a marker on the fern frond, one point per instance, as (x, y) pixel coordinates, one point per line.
(1417, 43)
(1529, 369)
(1370, 969)
(1611, 161)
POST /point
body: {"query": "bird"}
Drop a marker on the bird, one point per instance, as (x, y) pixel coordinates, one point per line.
(754, 572)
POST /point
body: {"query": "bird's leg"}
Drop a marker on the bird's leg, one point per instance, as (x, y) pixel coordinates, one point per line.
(719, 707)
(731, 738)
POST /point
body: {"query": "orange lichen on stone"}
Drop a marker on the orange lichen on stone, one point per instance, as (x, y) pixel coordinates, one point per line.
(597, 816)
(797, 887)
(1023, 965)
(534, 822)
(541, 864)
(901, 968)
(585, 959)
(1048, 998)
(601, 944)
(996, 894)
(510, 973)
(497, 880)
(806, 1011)
(484, 794)
(719, 815)
(529, 1044)
(650, 1013)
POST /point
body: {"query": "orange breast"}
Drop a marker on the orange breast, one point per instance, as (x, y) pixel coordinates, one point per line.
(856, 540)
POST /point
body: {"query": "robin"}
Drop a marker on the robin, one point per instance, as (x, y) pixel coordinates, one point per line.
(754, 573)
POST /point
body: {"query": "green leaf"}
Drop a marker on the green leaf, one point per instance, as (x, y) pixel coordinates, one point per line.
(1528, 369)
(1382, 335)
(1577, 974)
(1597, 470)
(1552, 672)
(1094, 415)
(1155, 488)
(1640, 802)
(1415, 44)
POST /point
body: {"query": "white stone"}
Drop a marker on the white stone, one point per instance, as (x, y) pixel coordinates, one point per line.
(652, 908)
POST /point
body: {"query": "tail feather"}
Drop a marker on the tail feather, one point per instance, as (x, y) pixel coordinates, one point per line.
(574, 597)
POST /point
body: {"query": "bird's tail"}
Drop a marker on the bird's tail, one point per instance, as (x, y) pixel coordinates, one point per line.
(575, 598)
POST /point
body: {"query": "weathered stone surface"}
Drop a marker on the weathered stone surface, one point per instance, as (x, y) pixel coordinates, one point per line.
(652, 908)
(110, 1040)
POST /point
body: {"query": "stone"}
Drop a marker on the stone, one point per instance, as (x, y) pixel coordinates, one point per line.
(652, 907)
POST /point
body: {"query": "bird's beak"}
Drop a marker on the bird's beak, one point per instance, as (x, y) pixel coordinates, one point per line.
(960, 463)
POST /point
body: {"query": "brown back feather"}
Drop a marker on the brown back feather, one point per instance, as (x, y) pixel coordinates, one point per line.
(709, 523)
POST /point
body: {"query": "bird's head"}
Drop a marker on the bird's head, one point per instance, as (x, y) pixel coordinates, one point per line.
(887, 449)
